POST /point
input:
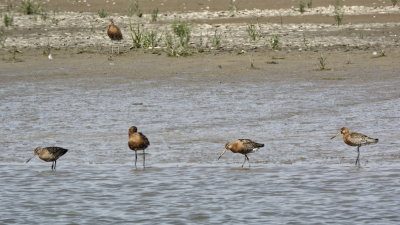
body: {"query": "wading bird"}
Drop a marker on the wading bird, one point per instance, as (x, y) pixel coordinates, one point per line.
(242, 146)
(114, 33)
(355, 139)
(49, 154)
(137, 142)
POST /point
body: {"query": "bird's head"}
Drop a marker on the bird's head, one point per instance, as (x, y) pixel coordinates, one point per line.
(35, 152)
(132, 129)
(343, 130)
(227, 146)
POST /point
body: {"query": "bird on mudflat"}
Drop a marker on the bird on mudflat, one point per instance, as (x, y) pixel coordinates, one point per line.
(49, 154)
(355, 139)
(242, 146)
(137, 142)
(114, 33)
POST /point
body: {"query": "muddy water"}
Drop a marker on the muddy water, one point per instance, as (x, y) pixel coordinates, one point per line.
(300, 177)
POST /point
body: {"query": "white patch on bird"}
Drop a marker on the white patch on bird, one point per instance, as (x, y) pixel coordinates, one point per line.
(50, 56)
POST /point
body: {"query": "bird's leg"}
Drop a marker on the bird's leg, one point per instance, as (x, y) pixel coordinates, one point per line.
(55, 164)
(245, 158)
(358, 156)
(135, 158)
(248, 160)
(144, 158)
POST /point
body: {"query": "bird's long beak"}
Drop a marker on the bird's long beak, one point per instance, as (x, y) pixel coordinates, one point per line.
(222, 153)
(337, 134)
(30, 159)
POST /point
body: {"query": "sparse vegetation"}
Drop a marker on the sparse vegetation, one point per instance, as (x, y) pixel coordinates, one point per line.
(47, 49)
(216, 39)
(182, 30)
(143, 39)
(394, 2)
(154, 15)
(170, 45)
(200, 45)
(8, 20)
(102, 13)
(137, 36)
(322, 62)
(305, 41)
(302, 7)
(254, 32)
(309, 4)
(274, 42)
(151, 39)
(134, 9)
(31, 7)
(338, 14)
(54, 20)
(43, 15)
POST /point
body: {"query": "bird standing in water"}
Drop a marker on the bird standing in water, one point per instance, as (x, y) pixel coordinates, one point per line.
(49, 154)
(242, 146)
(114, 33)
(137, 142)
(355, 139)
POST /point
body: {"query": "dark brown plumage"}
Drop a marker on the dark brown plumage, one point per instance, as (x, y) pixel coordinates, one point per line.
(49, 154)
(355, 139)
(242, 146)
(137, 142)
(114, 33)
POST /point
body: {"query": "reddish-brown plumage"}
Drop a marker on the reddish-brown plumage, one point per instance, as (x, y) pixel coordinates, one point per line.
(49, 154)
(242, 146)
(355, 139)
(137, 142)
(114, 32)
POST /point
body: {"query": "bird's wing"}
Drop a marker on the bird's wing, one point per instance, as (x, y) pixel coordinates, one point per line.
(249, 144)
(57, 151)
(146, 140)
(361, 138)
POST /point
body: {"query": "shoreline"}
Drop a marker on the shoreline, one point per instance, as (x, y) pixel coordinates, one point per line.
(364, 27)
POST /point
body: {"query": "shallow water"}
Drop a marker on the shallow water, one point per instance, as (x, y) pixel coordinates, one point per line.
(301, 176)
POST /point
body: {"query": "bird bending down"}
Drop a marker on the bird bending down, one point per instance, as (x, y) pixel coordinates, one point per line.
(355, 139)
(114, 33)
(49, 154)
(242, 146)
(137, 142)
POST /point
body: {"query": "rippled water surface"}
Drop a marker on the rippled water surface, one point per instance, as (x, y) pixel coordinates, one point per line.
(301, 176)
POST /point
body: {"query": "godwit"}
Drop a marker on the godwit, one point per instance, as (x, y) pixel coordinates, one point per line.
(355, 139)
(242, 146)
(137, 141)
(49, 154)
(114, 33)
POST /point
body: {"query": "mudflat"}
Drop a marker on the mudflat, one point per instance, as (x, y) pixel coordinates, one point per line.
(285, 39)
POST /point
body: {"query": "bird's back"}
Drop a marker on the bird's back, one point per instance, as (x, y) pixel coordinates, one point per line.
(138, 141)
(245, 146)
(51, 153)
(114, 32)
(357, 139)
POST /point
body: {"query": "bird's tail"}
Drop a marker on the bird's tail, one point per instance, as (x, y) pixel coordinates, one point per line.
(372, 140)
(258, 145)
